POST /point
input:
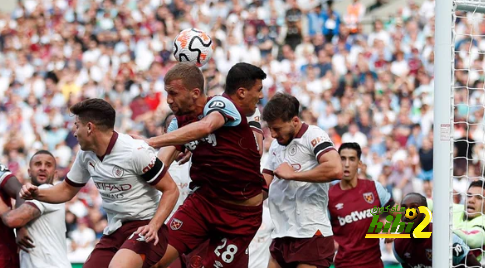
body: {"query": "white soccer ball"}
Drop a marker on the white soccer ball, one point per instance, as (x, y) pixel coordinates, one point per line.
(193, 45)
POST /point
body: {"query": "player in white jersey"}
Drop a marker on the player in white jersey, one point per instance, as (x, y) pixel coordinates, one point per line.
(129, 177)
(259, 254)
(43, 221)
(302, 160)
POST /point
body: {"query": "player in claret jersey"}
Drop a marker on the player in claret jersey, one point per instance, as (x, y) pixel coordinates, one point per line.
(9, 188)
(129, 177)
(226, 205)
(418, 252)
(350, 203)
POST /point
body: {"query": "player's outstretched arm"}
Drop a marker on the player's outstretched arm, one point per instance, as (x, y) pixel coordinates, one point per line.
(170, 195)
(190, 132)
(12, 186)
(328, 169)
(19, 217)
(59, 193)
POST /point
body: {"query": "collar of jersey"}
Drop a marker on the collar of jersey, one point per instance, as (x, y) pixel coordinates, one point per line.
(111, 144)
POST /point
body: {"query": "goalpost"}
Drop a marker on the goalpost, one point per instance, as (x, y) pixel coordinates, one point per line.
(456, 78)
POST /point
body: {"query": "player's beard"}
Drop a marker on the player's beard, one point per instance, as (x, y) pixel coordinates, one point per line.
(290, 135)
(36, 182)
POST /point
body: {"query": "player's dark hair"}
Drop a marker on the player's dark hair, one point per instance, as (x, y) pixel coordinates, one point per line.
(189, 73)
(422, 199)
(43, 152)
(352, 146)
(166, 121)
(281, 106)
(242, 75)
(478, 183)
(96, 111)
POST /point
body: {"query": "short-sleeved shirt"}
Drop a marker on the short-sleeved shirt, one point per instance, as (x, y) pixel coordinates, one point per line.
(49, 235)
(299, 209)
(350, 215)
(226, 163)
(124, 177)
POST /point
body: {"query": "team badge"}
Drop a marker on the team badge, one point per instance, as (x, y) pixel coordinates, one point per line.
(429, 254)
(369, 197)
(118, 172)
(292, 150)
(175, 224)
(195, 262)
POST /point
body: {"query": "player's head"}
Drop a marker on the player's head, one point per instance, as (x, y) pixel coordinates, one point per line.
(414, 200)
(166, 122)
(475, 197)
(42, 168)
(184, 83)
(93, 116)
(350, 153)
(281, 115)
(244, 84)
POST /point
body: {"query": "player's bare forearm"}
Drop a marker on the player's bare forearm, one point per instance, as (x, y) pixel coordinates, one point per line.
(190, 132)
(21, 216)
(170, 195)
(12, 188)
(168, 154)
(59, 193)
(329, 169)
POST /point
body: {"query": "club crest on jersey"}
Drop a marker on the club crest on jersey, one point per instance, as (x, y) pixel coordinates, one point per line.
(292, 150)
(195, 262)
(217, 104)
(175, 224)
(369, 197)
(118, 172)
(429, 254)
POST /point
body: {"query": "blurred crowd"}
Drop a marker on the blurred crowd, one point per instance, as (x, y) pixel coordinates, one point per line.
(374, 88)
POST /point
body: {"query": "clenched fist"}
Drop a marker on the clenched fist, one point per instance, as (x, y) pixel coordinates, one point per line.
(29, 192)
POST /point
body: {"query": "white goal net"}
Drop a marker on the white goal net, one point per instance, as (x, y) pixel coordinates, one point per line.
(467, 129)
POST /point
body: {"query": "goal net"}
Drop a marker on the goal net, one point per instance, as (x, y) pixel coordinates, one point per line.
(466, 131)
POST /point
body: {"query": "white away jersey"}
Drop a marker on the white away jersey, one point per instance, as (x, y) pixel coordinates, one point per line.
(259, 253)
(181, 176)
(49, 235)
(123, 177)
(299, 209)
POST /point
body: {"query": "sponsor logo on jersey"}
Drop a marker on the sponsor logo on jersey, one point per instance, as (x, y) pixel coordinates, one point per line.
(339, 206)
(150, 165)
(118, 172)
(355, 216)
(369, 197)
(175, 224)
(211, 139)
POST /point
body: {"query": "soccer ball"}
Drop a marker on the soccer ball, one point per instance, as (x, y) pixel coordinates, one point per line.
(193, 45)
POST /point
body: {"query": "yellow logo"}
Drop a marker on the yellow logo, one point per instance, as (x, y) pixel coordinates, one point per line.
(411, 213)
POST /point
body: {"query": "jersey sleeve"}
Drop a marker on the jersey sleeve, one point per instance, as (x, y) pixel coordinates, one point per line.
(269, 166)
(79, 175)
(147, 165)
(43, 207)
(319, 142)
(384, 195)
(5, 175)
(459, 250)
(254, 121)
(226, 108)
(173, 125)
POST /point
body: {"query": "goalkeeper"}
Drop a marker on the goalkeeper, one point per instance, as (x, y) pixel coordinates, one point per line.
(469, 219)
